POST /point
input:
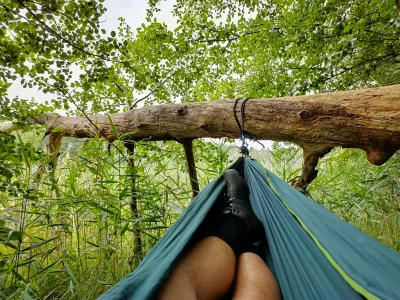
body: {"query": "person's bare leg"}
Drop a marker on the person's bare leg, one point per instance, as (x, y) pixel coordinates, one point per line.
(254, 280)
(205, 272)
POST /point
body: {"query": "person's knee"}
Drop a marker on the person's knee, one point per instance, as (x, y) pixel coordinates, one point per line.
(252, 292)
(254, 280)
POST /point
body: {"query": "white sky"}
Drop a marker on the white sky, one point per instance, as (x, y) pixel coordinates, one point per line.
(134, 12)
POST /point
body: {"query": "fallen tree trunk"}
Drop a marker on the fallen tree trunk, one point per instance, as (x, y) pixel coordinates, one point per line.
(368, 119)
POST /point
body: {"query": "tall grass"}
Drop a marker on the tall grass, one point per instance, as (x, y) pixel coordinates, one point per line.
(69, 233)
(362, 194)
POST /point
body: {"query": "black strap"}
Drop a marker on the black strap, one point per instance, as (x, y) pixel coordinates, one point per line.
(234, 113)
(243, 132)
(242, 110)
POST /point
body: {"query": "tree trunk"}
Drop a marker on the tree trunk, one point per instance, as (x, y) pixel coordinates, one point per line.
(368, 119)
(194, 183)
(137, 248)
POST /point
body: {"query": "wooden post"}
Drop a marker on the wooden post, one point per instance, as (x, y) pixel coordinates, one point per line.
(137, 248)
(188, 146)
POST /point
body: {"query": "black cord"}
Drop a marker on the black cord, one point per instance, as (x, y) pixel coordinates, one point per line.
(242, 113)
(244, 134)
(234, 113)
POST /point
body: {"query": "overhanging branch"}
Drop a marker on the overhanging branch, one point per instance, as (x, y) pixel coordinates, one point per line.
(368, 119)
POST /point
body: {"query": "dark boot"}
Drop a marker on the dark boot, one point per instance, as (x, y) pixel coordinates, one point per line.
(237, 203)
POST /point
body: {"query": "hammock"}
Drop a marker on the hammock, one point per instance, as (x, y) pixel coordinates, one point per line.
(313, 253)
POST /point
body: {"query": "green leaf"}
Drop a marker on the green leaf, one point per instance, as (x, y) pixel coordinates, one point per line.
(93, 170)
(93, 244)
(6, 218)
(39, 244)
(114, 130)
(348, 28)
(20, 277)
(69, 271)
(123, 193)
(45, 269)
(8, 244)
(26, 296)
(15, 235)
(124, 228)
(100, 207)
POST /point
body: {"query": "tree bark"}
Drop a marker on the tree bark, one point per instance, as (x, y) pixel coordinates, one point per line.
(194, 183)
(368, 119)
(137, 238)
(53, 149)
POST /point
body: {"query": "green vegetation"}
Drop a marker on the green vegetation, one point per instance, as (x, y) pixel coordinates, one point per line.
(68, 232)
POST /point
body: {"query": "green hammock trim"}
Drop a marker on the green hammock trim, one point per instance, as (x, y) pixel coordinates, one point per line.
(346, 277)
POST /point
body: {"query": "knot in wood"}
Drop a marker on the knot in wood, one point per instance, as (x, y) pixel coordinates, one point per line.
(306, 114)
(182, 111)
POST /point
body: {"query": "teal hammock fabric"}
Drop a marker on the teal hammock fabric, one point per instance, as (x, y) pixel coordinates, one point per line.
(312, 253)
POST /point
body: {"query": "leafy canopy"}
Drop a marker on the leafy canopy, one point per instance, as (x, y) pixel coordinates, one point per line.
(219, 48)
(279, 48)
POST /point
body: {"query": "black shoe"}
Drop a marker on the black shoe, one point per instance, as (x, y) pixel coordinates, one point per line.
(237, 203)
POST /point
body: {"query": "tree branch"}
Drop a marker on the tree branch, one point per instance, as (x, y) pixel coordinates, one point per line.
(154, 90)
(188, 147)
(367, 119)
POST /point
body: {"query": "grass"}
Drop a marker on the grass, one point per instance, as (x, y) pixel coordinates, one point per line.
(364, 195)
(68, 233)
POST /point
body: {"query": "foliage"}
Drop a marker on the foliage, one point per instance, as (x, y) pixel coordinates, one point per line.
(76, 240)
(280, 48)
(68, 232)
(222, 48)
(56, 238)
(365, 195)
(41, 42)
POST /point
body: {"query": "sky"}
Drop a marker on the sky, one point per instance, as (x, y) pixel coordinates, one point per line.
(134, 12)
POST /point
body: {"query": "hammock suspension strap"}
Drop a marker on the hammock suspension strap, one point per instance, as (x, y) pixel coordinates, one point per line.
(243, 133)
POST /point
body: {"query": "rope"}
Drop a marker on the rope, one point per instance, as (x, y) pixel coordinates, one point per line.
(243, 133)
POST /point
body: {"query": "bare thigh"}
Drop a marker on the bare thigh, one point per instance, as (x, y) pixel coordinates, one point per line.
(254, 281)
(205, 272)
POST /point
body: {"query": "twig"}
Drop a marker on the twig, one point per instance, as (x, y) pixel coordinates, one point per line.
(154, 90)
